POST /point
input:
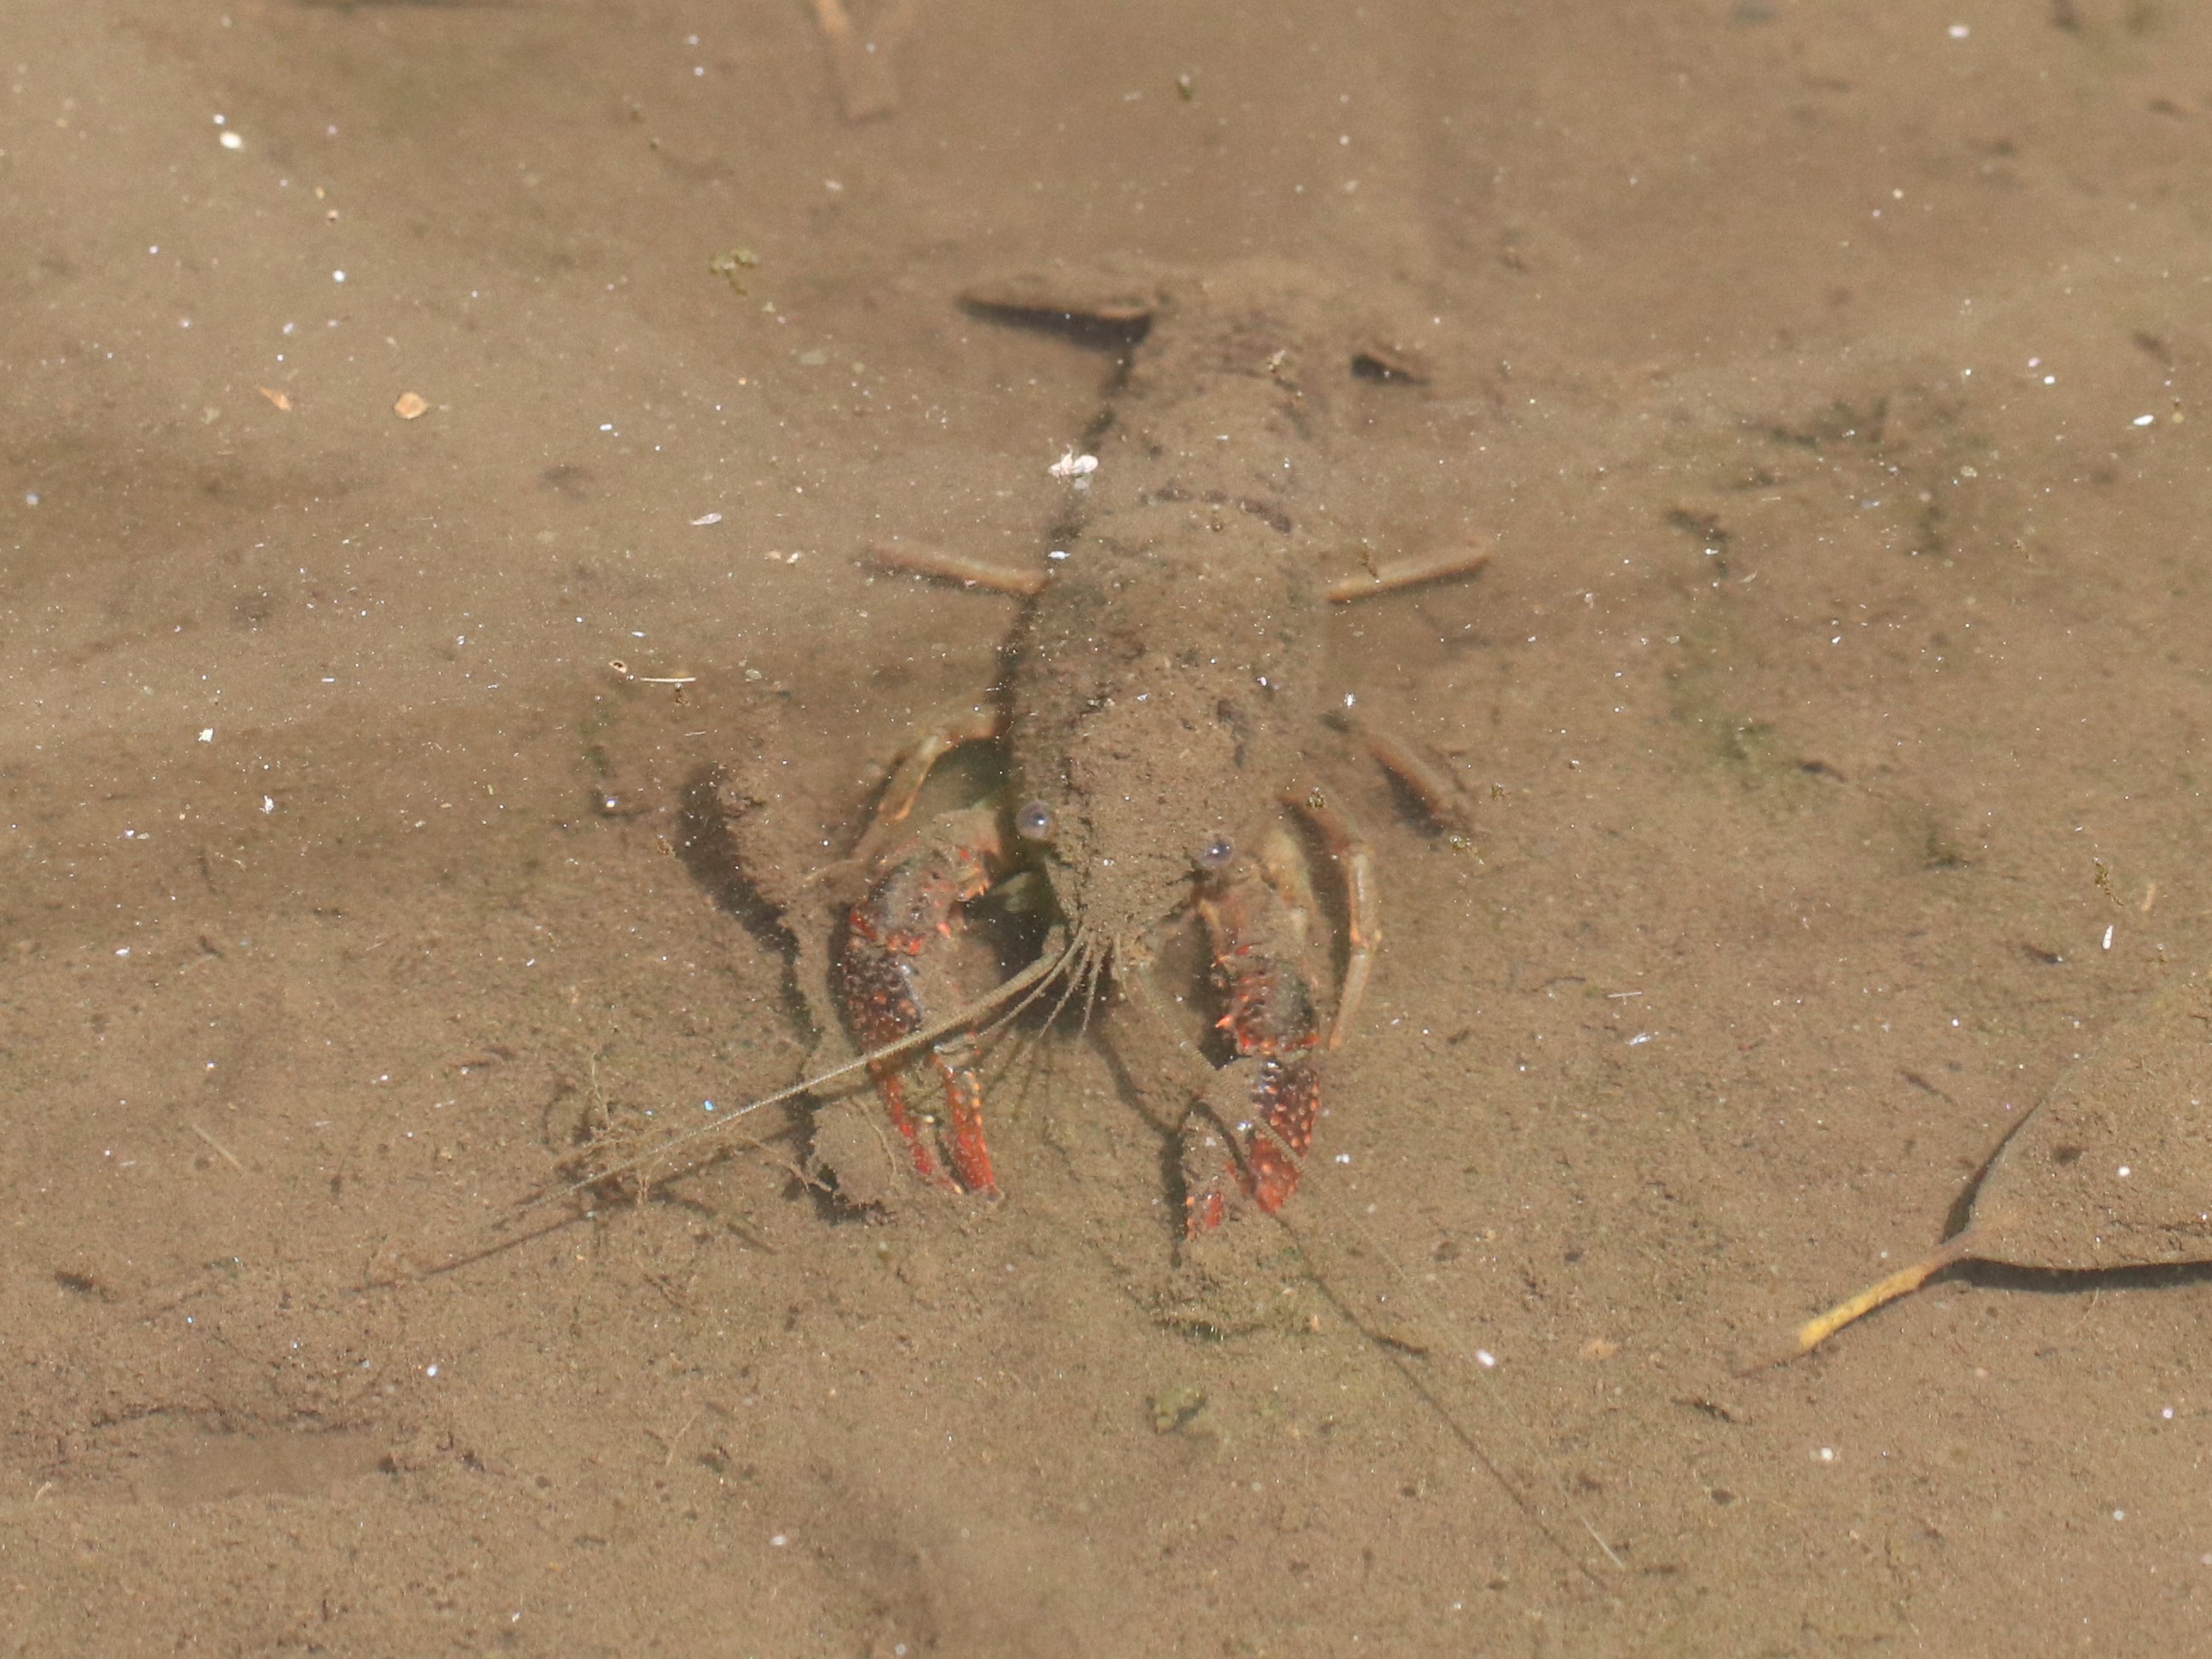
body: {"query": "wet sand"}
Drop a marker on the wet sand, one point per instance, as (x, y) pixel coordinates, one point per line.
(1828, 383)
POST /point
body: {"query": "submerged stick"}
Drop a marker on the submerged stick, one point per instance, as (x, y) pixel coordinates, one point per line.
(1906, 1280)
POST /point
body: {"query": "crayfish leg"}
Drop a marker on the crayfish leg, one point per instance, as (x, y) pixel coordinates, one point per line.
(915, 764)
(1439, 566)
(1363, 911)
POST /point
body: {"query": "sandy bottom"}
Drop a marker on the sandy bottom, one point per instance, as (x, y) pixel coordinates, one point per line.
(1829, 382)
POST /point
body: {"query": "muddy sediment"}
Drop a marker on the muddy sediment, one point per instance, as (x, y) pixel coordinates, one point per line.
(1824, 387)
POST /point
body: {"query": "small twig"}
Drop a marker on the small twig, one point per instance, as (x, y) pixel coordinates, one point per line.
(671, 1440)
(623, 669)
(228, 1157)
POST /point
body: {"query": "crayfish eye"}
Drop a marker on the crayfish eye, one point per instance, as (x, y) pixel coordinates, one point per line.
(1035, 822)
(1217, 853)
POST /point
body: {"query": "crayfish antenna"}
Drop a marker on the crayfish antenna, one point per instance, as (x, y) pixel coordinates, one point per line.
(1057, 952)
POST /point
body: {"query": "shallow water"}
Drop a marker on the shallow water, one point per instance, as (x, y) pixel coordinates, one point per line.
(1828, 385)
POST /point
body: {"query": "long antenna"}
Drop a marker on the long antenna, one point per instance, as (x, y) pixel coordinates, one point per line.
(1049, 962)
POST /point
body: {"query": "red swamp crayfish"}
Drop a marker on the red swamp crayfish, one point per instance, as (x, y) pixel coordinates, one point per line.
(1167, 665)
